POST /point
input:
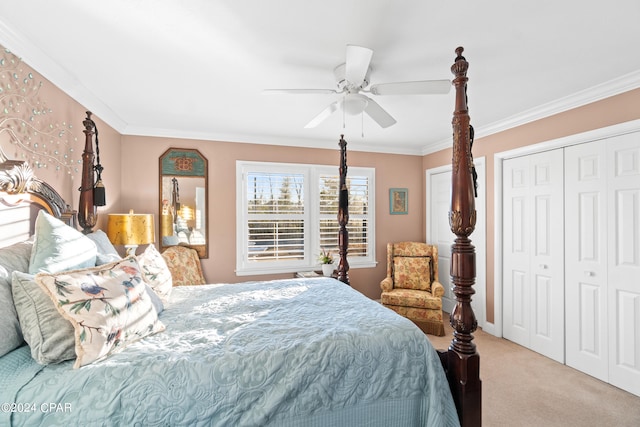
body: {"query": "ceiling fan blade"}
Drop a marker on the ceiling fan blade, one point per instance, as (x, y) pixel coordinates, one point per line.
(378, 114)
(299, 91)
(324, 114)
(357, 64)
(424, 87)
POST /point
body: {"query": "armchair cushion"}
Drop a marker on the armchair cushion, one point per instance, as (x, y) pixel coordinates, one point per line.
(411, 298)
(412, 272)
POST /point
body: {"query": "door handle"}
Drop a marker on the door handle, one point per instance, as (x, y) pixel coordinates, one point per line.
(544, 266)
(589, 273)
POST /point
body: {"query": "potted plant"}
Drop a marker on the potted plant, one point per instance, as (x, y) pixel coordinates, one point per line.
(326, 261)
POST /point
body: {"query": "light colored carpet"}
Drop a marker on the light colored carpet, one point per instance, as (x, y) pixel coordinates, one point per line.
(523, 388)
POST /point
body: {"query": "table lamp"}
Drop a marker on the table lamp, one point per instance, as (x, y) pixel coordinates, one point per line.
(131, 230)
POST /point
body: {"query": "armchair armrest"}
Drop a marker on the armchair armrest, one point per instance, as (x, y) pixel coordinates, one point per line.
(437, 290)
(387, 284)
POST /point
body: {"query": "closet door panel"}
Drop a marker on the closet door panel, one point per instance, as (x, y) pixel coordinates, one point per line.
(440, 232)
(624, 261)
(547, 260)
(533, 265)
(516, 251)
(586, 259)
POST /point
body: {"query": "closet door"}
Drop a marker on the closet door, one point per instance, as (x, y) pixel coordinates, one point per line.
(623, 164)
(586, 258)
(438, 197)
(516, 251)
(440, 233)
(533, 275)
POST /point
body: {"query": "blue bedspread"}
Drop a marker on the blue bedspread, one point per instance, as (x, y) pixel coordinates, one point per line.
(300, 352)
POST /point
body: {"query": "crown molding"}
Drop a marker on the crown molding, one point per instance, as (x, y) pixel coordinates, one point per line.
(68, 83)
(608, 89)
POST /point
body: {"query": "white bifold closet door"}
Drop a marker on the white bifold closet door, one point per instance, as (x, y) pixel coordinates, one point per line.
(623, 259)
(603, 259)
(586, 258)
(533, 252)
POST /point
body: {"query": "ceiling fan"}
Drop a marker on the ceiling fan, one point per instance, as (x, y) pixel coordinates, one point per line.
(352, 78)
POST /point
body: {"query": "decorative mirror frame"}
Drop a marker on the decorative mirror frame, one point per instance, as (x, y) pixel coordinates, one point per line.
(176, 163)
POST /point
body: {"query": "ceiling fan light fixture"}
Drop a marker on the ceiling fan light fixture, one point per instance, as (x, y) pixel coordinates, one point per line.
(354, 103)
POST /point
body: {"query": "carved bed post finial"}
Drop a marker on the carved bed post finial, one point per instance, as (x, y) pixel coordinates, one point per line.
(343, 214)
(463, 360)
(87, 217)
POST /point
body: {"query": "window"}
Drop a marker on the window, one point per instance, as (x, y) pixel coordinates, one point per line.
(287, 213)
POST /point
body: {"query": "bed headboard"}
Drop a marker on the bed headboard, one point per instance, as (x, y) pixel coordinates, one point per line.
(22, 195)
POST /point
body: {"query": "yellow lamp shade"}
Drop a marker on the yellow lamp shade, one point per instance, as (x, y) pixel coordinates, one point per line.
(131, 229)
(186, 213)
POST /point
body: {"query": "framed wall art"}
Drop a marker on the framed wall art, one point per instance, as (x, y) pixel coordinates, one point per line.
(398, 201)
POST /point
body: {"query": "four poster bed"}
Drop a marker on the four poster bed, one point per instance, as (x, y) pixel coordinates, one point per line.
(309, 352)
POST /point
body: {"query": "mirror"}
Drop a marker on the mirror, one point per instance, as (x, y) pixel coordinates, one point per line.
(183, 200)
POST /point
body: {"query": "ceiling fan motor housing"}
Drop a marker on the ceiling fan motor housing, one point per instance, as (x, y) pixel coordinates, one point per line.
(343, 85)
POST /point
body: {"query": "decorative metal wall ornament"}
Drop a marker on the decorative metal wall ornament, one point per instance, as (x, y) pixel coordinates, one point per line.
(28, 122)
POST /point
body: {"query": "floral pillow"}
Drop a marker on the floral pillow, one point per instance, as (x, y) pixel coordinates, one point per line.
(155, 272)
(412, 273)
(108, 307)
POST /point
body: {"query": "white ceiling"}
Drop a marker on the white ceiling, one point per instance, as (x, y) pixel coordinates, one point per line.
(196, 69)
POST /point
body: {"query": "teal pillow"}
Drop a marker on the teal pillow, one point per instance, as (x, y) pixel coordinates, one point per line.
(58, 247)
(104, 245)
(12, 258)
(50, 336)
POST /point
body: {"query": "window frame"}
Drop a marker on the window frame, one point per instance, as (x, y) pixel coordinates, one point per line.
(311, 197)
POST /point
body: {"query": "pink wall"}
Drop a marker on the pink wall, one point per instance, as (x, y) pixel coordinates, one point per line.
(617, 109)
(132, 182)
(398, 171)
(131, 176)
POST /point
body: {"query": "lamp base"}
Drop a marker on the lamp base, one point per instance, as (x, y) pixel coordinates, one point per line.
(130, 250)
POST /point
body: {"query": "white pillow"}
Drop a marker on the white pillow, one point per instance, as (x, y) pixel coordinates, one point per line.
(108, 307)
(58, 247)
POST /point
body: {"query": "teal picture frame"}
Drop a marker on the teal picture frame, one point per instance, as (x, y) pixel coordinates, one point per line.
(398, 201)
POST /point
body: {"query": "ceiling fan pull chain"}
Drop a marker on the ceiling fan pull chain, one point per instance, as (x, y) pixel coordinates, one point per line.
(344, 125)
(362, 124)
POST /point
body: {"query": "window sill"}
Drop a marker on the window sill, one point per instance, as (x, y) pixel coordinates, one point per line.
(298, 269)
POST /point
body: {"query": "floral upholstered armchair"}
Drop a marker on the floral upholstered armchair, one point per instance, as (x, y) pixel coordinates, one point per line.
(411, 287)
(184, 264)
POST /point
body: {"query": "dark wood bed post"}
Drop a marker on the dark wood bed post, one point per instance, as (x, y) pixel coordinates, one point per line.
(462, 361)
(87, 216)
(343, 214)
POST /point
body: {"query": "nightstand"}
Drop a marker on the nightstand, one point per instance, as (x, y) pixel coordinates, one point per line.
(303, 274)
(307, 274)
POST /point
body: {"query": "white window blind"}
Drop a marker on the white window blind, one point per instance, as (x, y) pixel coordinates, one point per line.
(275, 216)
(287, 214)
